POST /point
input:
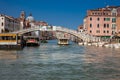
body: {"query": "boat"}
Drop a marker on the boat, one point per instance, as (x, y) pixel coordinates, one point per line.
(63, 41)
(32, 41)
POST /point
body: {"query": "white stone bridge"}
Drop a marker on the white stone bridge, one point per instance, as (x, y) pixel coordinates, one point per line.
(81, 35)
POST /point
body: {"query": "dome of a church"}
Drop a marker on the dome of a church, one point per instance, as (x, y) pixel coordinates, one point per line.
(30, 18)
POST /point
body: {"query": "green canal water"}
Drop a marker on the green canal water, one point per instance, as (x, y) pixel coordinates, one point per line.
(54, 62)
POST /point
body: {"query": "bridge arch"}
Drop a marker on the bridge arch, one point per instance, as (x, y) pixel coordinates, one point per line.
(85, 37)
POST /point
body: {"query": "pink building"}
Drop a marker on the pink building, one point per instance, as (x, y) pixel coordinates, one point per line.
(102, 21)
(80, 28)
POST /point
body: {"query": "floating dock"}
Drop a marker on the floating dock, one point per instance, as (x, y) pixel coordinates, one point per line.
(10, 41)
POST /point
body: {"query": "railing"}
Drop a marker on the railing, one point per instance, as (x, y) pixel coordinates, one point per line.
(33, 29)
(83, 35)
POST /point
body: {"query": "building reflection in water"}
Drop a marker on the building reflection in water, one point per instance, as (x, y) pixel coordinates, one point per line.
(8, 55)
(102, 57)
(99, 54)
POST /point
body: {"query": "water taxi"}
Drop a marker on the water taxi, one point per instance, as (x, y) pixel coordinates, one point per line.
(63, 41)
(32, 41)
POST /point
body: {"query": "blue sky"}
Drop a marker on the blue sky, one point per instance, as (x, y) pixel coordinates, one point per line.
(67, 13)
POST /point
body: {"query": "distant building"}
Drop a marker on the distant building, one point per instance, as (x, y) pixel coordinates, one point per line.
(30, 22)
(8, 24)
(26, 22)
(44, 26)
(41, 23)
(80, 28)
(103, 21)
(22, 20)
(30, 18)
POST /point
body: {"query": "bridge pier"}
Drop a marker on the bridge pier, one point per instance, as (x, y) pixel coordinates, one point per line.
(63, 41)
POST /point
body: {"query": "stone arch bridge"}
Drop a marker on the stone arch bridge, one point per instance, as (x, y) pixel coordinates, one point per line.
(81, 35)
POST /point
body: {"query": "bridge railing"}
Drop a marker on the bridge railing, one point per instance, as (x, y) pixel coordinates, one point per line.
(83, 35)
(33, 28)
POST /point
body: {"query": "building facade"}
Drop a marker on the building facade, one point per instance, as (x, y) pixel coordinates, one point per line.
(8, 24)
(45, 35)
(103, 21)
(80, 28)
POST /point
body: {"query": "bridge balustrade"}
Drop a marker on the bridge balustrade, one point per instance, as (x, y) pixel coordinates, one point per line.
(82, 35)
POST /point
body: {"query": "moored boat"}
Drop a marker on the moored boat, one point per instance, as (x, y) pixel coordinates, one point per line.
(32, 41)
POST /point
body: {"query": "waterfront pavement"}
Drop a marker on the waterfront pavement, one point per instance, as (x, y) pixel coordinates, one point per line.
(101, 44)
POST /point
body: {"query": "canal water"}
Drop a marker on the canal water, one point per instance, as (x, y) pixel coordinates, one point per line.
(54, 62)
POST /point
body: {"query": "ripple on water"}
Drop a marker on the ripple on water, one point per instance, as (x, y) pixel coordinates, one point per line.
(53, 62)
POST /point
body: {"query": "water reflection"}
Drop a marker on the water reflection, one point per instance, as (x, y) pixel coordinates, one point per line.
(100, 54)
(104, 61)
(9, 55)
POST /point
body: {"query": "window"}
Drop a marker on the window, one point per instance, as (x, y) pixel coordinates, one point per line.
(107, 31)
(106, 13)
(98, 25)
(90, 19)
(107, 25)
(113, 32)
(103, 13)
(104, 25)
(113, 14)
(90, 25)
(98, 31)
(90, 31)
(2, 24)
(106, 19)
(98, 19)
(113, 20)
(113, 26)
(104, 31)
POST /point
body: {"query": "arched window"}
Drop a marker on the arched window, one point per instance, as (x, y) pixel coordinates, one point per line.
(90, 19)
(90, 25)
(98, 25)
(98, 19)
(2, 24)
(90, 31)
